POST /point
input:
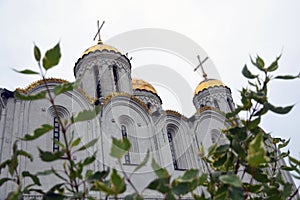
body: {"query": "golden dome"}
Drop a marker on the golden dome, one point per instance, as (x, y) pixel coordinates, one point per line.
(100, 46)
(208, 83)
(139, 84)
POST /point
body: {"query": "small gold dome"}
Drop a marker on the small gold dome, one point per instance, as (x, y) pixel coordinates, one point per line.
(139, 84)
(208, 83)
(100, 46)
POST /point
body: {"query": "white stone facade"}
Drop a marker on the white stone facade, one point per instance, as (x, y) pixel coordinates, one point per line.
(172, 138)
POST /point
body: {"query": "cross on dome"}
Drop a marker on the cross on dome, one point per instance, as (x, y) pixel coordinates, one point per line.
(201, 65)
(98, 32)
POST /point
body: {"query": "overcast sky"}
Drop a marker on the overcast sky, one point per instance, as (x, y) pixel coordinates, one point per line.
(229, 31)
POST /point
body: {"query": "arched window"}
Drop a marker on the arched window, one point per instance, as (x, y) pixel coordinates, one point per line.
(116, 77)
(56, 133)
(171, 134)
(230, 105)
(124, 135)
(216, 104)
(55, 112)
(128, 130)
(98, 83)
(216, 136)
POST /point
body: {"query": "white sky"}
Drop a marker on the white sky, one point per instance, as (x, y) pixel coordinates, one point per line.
(229, 31)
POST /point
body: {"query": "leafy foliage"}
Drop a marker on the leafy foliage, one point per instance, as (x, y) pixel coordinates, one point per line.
(249, 165)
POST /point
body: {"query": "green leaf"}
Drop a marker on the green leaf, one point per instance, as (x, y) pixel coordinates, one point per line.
(160, 172)
(260, 64)
(100, 186)
(294, 160)
(247, 73)
(37, 53)
(64, 87)
(287, 77)
(284, 144)
(257, 152)
(3, 180)
(118, 182)
(33, 177)
(219, 162)
(52, 57)
(26, 71)
(181, 188)
(45, 173)
(38, 132)
(86, 115)
(212, 149)
(4, 164)
(25, 154)
(53, 196)
(88, 145)
(274, 65)
(119, 147)
(60, 144)
(134, 196)
(76, 142)
(144, 162)
(186, 183)
(238, 148)
(98, 176)
(160, 184)
(89, 160)
(202, 179)
(287, 190)
(280, 110)
(260, 176)
(49, 156)
(236, 193)
(231, 179)
(197, 197)
(254, 123)
(188, 175)
(41, 95)
(239, 132)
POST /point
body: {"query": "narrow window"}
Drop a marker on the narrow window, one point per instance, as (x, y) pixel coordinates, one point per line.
(98, 84)
(98, 89)
(148, 105)
(230, 104)
(172, 148)
(116, 77)
(56, 132)
(124, 135)
(216, 104)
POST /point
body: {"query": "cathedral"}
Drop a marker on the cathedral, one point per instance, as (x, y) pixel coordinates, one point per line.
(130, 107)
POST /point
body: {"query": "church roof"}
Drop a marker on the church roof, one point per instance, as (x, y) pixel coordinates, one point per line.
(139, 84)
(207, 83)
(35, 84)
(100, 47)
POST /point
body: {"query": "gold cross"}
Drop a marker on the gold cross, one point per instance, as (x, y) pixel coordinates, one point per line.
(98, 32)
(200, 65)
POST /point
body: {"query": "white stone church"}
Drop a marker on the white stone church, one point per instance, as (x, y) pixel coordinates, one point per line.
(131, 108)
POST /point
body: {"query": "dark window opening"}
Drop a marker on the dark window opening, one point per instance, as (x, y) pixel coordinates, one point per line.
(116, 77)
(99, 89)
(172, 148)
(56, 132)
(230, 104)
(149, 105)
(216, 103)
(124, 135)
